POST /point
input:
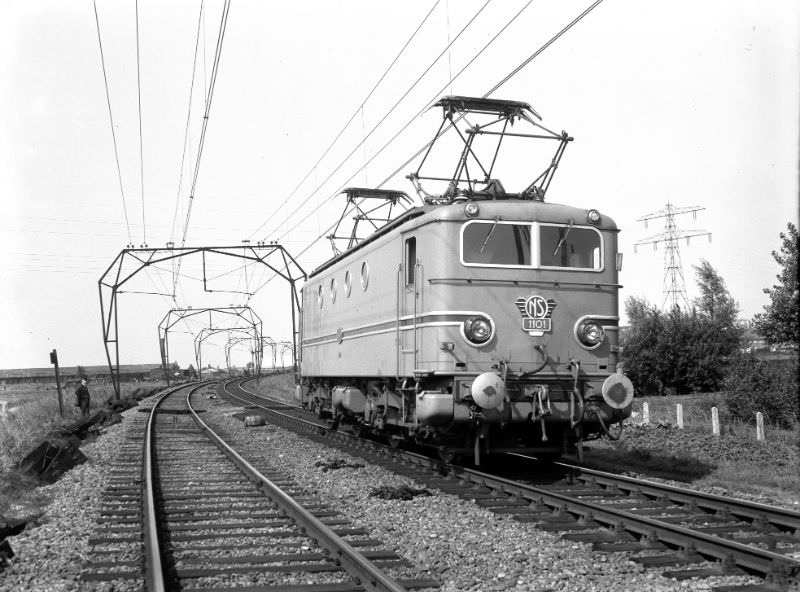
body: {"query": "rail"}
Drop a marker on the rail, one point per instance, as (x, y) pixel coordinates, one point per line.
(767, 564)
(354, 562)
(153, 565)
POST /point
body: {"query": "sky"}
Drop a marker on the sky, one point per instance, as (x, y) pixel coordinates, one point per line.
(693, 104)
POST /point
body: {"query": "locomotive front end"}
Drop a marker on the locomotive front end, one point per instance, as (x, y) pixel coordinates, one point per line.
(532, 363)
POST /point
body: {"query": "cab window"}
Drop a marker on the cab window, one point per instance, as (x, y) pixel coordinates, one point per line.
(497, 243)
(563, 245)
(492, 243)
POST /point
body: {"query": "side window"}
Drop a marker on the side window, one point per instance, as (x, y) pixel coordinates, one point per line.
(411, 260)
(364, 276)
(348, 283)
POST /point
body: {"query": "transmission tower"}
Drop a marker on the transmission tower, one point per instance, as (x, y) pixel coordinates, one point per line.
(674, 283)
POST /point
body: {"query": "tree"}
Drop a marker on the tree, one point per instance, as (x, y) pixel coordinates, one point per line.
(640, 345)
(683, 350)
(715, 302)
(779, 324)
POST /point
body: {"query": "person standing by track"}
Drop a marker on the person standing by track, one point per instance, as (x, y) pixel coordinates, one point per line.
(82, 394)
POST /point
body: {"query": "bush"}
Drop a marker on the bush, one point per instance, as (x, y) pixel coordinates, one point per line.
(771, 387)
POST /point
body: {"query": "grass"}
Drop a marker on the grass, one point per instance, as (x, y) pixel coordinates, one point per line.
(276, 385)
(36, 413)
(734, 460)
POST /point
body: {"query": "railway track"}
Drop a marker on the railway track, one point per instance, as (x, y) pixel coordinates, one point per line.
(687, 533)
(184, 511)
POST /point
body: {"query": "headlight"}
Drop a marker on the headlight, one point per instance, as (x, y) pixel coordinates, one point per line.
(593, 216)
(478, 330)
(471, 209)
(590, 333)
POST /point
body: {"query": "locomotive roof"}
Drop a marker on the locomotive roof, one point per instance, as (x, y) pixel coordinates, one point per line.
(509, 210)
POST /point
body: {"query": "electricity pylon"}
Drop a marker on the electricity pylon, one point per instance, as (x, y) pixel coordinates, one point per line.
(674, 283)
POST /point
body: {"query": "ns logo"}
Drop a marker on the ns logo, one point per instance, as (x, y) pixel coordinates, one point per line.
(536, 313)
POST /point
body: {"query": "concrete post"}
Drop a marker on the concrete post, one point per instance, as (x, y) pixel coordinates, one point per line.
(3, 409)
(679, 413)
(760, 427)
(715, 421)
(645, 413)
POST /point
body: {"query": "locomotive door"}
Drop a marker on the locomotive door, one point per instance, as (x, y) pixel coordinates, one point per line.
(409, 301)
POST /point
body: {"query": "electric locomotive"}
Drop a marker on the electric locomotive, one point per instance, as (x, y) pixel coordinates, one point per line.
(480, 322)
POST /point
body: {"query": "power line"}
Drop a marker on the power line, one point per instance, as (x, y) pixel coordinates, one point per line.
(386, 115)
(552, 40)
(410, 121)
(209, 98)
(188, 117)
(185, 144)
(494, 88)
(111, 120)
(393, 138)
(360, 108)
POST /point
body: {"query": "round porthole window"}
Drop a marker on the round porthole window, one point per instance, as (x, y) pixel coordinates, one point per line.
(320, 296)
(348, 283)
(333, 289)
(364, 276)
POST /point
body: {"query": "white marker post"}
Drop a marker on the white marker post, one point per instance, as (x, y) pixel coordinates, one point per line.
(645, 413)
(760, 427)
(3, 409)
(715, 421)
(679, 413)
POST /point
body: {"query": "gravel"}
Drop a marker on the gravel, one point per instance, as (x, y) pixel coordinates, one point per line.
(465, 547)
(49, 555)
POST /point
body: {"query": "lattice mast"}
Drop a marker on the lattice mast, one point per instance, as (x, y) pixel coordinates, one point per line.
(674, 282)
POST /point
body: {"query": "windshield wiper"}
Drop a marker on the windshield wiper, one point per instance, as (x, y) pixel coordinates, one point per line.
(562, 239)
(489, 234)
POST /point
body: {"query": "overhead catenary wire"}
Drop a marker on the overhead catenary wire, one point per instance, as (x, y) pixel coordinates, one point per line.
(188, 118)
(358, 109)
(552, 40)
(386, 115)
(185, 143)
(206, 114)
(330, 228)
(209, 95)
(408, 123)
(111, 121)
(425, 146)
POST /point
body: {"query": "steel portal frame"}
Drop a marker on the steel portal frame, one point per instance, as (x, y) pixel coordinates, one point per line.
(256, 353)
(117, 275)
(243, 312)
(207, 332)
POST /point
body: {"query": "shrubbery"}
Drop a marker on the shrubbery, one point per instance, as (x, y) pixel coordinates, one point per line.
(771, 387)
(684, 350)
